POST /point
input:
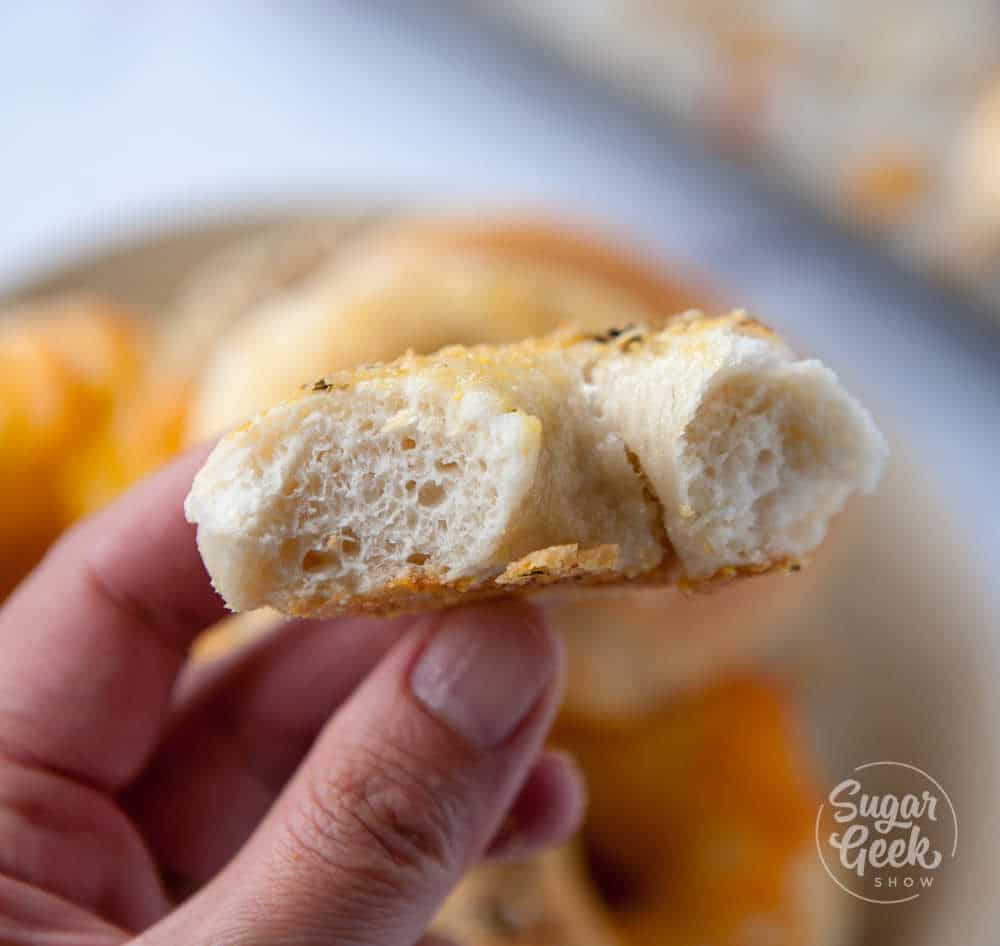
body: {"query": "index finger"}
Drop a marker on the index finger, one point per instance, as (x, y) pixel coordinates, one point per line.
(93, 639)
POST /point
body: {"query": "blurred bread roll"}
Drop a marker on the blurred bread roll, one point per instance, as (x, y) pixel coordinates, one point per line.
(546, 899)
(143, 432)
(630, 650)
(37, 395)
(700, 823)
(561, 246)
(977, 182)
(234, 631)
(100, 344)
(65, 365)
(422, 285)
(218, 292)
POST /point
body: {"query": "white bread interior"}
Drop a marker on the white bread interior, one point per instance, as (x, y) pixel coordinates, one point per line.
(698, 452)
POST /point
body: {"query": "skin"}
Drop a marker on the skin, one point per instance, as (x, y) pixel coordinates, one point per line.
(330, 783)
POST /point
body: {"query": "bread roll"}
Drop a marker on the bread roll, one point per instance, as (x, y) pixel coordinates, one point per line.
(422, 285)
(631, 649)
(66, 363)
(699, 827)
(233, 632)
(229, 284)
(568, 249)
(688, 455)
(546, 899)
(976, 182)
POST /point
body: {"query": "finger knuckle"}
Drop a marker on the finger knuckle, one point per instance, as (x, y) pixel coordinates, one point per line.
(387, 823)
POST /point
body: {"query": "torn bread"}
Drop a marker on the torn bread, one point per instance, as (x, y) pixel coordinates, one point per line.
(698, 452)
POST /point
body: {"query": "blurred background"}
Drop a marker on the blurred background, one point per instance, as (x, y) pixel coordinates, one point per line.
(833, 168)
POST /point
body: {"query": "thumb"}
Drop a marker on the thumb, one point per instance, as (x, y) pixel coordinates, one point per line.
(402, 791)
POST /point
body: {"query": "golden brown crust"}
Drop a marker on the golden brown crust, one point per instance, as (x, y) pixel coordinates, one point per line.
(470, 364)
(419, 591)
(560, 562)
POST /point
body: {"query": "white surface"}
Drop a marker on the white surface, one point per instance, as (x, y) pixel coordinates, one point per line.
(119, 117)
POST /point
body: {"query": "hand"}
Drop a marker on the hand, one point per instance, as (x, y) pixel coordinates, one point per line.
(328, 784)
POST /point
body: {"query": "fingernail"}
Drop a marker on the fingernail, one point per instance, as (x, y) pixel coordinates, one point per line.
(484, 669)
